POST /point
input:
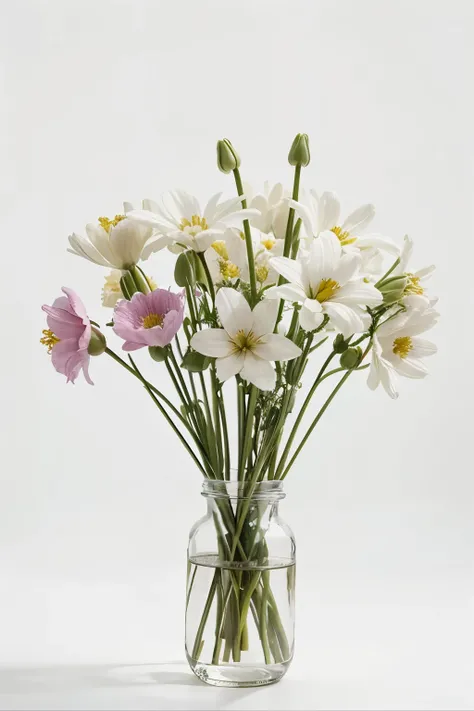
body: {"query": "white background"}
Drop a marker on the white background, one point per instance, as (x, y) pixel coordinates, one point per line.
(106, 101)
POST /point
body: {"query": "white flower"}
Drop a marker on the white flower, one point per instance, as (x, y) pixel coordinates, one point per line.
(227, 258)
(398, 349)
(273, 207)
(111, 291)
(414, 295)
(118, 244)
(326, 282)
(246, 344)
(323, 213)
(187, 227)
(265, 247)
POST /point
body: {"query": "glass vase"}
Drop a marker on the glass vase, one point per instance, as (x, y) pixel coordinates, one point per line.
(240, 586)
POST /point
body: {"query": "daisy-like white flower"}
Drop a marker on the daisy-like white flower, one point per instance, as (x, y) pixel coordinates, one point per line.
(326, 282)
(227, 258)
(117, 243)
(266, 247)
(186, 226)
(397, 348)
(321, 213)
(246, 343)
(273, 208)
(415, 290)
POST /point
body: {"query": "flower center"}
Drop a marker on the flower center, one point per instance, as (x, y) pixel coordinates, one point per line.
(228, 270)
(326, 289)
(268, 243)
(402, 346)
(413, 285)
(194, 226)
(262, 274)
(219, 246)
(107, 224)
(152, 320)
(244, 341)
(343, 237)
(49, 339)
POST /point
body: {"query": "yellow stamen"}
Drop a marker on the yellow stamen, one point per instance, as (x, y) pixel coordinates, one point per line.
(220, 247)
(402, 346)
(244, 341)
(268, 243)
(152, 283)
(413, 285)
(152, 320)
(242, 235)
(262, 274)
(343, 237)
(196, 221)
(107, 223)
(326, 289)
(49, 339)
(228, 270)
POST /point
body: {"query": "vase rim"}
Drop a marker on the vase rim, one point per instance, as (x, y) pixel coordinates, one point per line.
(234, 489)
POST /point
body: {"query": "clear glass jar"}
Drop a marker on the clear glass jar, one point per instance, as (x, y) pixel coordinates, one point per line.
(240, 586)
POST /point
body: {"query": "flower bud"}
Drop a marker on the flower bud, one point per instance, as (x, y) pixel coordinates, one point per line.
(393, 289)
(184, 274)
(195, 362)
(158, 353)
(227, 157)
(351, 358)
(299, 152)
(97, 344)
(340, 344)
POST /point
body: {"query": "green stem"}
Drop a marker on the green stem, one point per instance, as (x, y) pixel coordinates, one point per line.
(248, 241)
(289, 233)
(208, 276)
(247, 443)
(320, 414)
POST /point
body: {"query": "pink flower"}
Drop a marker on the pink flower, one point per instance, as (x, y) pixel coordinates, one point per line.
(149, 319)
(68, 336)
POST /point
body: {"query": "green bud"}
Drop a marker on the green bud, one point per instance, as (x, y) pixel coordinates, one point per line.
(340, 344)
(227, 157)
(200, 274)
(299, 152)
(393, 289)
(351, 358)
(195, 362)
(97, 344)
(184, 273)
(158, 353)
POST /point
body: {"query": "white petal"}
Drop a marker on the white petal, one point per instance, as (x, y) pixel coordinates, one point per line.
(289, 292)
(343, 318)
(291, 269)
(127, 240)
(346, 268)
(229, 366)
(389, 380)
(276, 347)
(358, 292)
(276, 194)
(234, 312)
(359, 219)
(373, 379)
(145, 217)
(380, 242)
(329, 210)
(204, 239)
(264, 317)
(313, 305)
(210, 209)
(306, 215)
(422, 348)
(212, 342)
(411, 367)
(84, 248)
(155, 245)
(259, 372)
(324, 257)
(309, 320)
(235, 219)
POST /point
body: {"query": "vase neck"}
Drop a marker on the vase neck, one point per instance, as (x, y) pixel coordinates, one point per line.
(269, 492)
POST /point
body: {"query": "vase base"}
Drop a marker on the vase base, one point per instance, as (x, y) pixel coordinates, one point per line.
(238, 675)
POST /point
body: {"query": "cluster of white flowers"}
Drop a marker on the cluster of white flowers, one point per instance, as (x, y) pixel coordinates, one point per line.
(336, 277)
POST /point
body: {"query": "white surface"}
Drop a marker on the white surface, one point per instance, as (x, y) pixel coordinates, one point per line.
(105, 101)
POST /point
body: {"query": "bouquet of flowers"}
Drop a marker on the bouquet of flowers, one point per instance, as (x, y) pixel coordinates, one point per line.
(264, 284)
